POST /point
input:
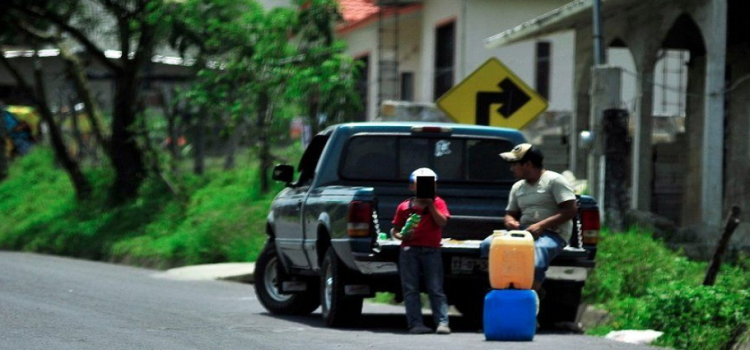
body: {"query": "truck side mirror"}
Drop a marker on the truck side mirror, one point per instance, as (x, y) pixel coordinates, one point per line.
(283, 173)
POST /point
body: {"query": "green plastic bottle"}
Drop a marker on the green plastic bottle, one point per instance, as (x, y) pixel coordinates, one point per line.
(411, 224)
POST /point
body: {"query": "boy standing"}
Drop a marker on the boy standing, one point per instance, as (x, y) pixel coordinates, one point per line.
(420, 252)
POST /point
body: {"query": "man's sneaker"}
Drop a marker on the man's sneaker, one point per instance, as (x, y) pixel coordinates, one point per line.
(421, 329)
(443, 329)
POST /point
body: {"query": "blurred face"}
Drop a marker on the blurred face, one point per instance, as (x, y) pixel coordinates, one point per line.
(519, 169)
(413, 186)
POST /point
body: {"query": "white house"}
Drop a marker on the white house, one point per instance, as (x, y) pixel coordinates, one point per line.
(417, 50)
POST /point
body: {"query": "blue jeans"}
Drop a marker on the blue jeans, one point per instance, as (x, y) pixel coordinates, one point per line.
(429, 262)
(546, 248)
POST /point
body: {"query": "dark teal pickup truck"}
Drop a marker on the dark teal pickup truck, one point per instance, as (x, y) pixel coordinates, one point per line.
(323, 247)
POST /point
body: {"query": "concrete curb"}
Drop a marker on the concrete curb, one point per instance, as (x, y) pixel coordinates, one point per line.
(238, 272)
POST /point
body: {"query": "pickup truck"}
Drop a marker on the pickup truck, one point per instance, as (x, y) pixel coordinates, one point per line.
(325, 246)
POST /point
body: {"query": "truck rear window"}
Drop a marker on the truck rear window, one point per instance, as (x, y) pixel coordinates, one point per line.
(453, 159)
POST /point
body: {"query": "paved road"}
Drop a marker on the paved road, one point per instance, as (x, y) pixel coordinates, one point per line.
(57, 303)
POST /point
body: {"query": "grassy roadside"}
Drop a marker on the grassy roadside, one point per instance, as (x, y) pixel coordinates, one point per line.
(222, 220)
(645, 285)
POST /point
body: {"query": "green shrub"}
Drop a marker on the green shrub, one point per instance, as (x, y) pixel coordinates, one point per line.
(645, 285)
(223, 218)
(691, 316)
(224, 221)
(629, 263)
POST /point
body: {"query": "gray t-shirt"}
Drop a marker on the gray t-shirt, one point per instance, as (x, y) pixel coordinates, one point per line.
(539, 201)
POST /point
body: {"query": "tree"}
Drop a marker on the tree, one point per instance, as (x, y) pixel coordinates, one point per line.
(271, 60)
(139, 26)
(220, 34)
(3, 151)
(12, 29)
(37, 95)
(325, 79)
(138, 29)
(261, 71)
(249, 73)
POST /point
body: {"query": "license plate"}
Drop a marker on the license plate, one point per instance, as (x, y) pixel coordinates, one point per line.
(464, 265)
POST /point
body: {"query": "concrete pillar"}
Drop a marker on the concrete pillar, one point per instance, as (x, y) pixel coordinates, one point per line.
(712, 154)
(737, 186)
(3, 157)
(582, 103)
(616, 150)
(691, 192)
(605, 94)
(642, 175)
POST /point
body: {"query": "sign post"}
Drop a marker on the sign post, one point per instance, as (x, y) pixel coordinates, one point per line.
(492, 95)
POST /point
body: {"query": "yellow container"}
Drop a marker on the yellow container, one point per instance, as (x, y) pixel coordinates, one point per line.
(512, 260)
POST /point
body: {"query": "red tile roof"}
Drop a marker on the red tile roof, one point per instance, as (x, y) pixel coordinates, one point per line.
(359, 13)
(357, 10)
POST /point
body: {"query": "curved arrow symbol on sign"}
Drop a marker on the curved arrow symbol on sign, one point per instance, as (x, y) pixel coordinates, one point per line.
(511, 96)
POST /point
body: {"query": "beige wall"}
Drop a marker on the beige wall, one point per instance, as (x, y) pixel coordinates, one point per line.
(364, 41)
(410, 44)
(485, 18)
(361, 42)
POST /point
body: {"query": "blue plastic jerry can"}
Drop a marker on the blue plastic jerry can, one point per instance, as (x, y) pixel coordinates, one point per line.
(510, 314)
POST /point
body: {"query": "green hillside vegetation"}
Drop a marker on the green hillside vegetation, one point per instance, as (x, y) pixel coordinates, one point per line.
(223, 219)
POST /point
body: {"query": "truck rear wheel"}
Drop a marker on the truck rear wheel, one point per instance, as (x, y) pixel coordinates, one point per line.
(268, 276)
(338, 309)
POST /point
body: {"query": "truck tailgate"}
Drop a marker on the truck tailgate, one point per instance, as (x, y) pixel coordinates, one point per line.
(471, 247)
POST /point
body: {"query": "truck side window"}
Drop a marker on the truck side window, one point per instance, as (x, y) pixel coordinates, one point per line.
(309, 160)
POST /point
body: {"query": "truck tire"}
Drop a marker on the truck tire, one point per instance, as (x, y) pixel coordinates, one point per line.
(338, 309)
(267, 275)
(560, 303)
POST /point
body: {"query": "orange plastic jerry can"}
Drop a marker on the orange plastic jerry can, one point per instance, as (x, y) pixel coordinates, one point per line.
(511, 262)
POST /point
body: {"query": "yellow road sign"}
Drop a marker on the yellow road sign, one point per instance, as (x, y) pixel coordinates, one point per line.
(492, 95)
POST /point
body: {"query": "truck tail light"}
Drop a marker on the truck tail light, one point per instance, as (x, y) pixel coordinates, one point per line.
(590, 226)
(359, 219)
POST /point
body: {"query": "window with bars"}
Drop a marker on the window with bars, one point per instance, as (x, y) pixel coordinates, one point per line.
(362, 85)
(407, 86)
(445, 50)
(670, 87)
(543, 68)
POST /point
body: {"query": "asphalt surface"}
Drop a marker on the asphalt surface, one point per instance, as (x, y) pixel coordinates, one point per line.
(50, 302)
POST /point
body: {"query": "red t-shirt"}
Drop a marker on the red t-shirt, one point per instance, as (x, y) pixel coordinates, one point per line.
(427, 233)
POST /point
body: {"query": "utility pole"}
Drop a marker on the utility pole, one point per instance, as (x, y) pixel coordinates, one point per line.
(599, 56)
(3, 156)
(605, 94)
